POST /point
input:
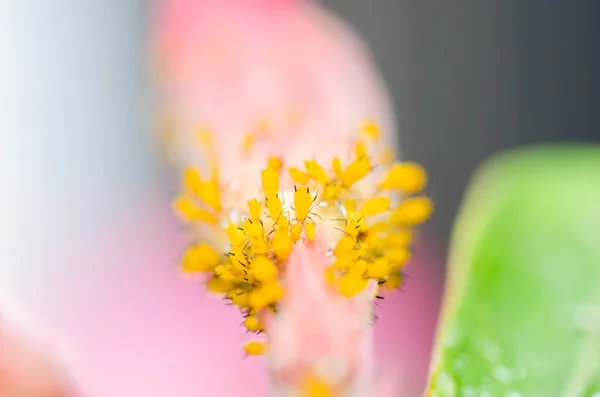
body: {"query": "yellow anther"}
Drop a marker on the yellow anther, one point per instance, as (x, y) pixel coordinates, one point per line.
(253, 324)
(371, 129)
(226, 274)
(302, 203)
(398, 256)
(192, 180)
(357, 170)
(281, 244)
(263, 269)
(310, 230)
(336, 164)
(380, 227)
(314, 387)
(332, 191)
(218, 285)
(254, 210)
(259, 247)
(295, 231)
(253, 230)
(359, 268)
(375, 242)
(255, 348)
(199, 258)
(266, 295)
(298, 176)
(283, 223)
(393, 281)
(273, 204)
(238, 259)
(270, 181)
(190, 211)
(351, 285)
(240, 297)
(236, 236)
(316, 172)
(400, 238)
(408, 177)
(204, 137)
(209, 193)
(344, 246)
(249, 140)
(360, 150)
(354, 226)
(412, 211)
(330, 276)
(345, 261)
(386, 156)
(275, 163)
(380, 269)
(375, 206)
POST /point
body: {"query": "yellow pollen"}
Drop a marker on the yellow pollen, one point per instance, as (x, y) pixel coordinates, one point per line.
(316, 172)
(407, 177)
(255, 348)
(375, 206)
(371, 129)
(302, 203)
(295, 231)
(263, 269)
(199, 258)
(254, 210)
(236, 236)
(253, 324)
(270, 181)
(412, 211)
(298, 176)
(189, 211)
(274, 206)
(357, 170)
(281, 244)
(310, 230)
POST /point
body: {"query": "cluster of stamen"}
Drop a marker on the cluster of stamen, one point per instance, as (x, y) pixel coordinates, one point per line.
(373, 225)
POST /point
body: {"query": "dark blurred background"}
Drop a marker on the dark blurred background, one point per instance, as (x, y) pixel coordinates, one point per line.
(471, 78)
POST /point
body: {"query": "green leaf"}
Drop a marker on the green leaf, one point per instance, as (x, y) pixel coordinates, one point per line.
(521, 315)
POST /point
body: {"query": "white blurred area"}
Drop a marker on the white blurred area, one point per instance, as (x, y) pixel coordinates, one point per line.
(74, 143)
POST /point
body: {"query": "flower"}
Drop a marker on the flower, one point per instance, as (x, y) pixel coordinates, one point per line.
(298, 216)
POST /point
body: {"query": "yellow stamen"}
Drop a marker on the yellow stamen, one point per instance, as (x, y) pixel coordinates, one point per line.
(281, 244)
(351, 285)
(302, 202)
(255, 348)
(371, 129)
(199, 258)
(270, 181)
(357, 170)
(190, 211)
(266, 295)
(408, 177)
(254, 210)
(295, 231)
(298, 176)
(236, 236)
(412, 211)
(375, 206)
(316, 172)
(310, 230)
(274, 206)
(253, 324)
(263, 269)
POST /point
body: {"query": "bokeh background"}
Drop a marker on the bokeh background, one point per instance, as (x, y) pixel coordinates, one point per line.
(88, 245)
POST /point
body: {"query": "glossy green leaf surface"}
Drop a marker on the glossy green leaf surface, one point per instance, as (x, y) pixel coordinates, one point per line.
(521, 316)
